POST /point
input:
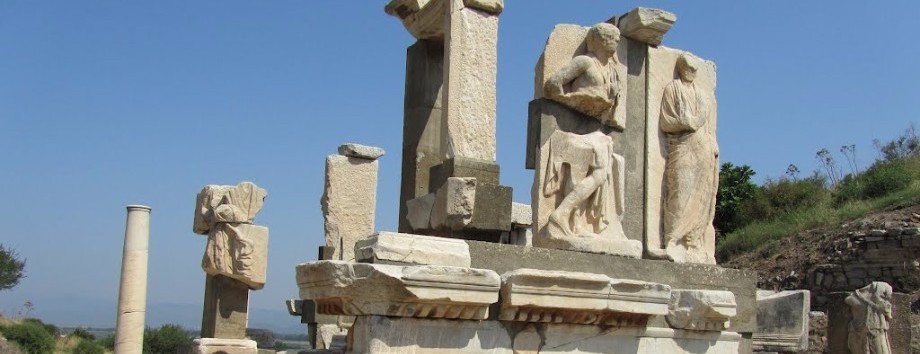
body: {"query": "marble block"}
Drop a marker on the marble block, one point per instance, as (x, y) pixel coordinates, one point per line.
(378, 334)
(530, 295)
(349, 202)
(361, 151)
(782, 320)
(223, 346)
(646, 25)
(358, 289)
(701, 310)
(407, 249)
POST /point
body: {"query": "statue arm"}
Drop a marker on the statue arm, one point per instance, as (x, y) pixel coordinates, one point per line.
(554, 86)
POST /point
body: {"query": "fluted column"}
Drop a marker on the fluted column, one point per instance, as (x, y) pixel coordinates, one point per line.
(132, 294)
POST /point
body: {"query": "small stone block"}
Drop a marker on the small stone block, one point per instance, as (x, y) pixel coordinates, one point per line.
(361, 151)
(294, 307)
(782, 321)
(701, 310)
(645, 24)
(223, 346)
(407, 249)
(483, 171)
(492, 211)
(521, 214)
(494, 7)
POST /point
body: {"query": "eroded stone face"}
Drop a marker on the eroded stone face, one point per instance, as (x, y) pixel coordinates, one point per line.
(235, 248)
(358, 289)
(578, 189)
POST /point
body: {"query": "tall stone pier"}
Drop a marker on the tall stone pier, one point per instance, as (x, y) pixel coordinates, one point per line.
(132, 294)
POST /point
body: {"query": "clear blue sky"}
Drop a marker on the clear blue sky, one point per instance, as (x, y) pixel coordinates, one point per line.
(108, 103)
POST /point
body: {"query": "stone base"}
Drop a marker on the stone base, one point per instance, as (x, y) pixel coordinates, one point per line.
(378, 334)
(224, 346)
(623, 247)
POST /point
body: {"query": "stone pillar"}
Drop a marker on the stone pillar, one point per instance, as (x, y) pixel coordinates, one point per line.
(421, 122)
(132, 294)
(226, 308)
(350, 198)
(470, 71)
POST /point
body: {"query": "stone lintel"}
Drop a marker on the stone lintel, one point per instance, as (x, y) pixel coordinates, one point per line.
(645, 24)
(742, 283)
(358, 289)
(224, 346)
(531, 295)
(701, 310)
(407, 249)
(782, 321)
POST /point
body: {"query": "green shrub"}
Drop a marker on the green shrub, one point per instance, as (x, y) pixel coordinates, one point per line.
(167, 339)
(107, 342)
(52, 329)
(88, 347)
(82, 333)
(735, 188)
(32, 337)
(880, 179)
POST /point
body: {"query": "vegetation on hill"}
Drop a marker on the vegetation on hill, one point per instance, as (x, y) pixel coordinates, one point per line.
(11, 268)
(749, 216)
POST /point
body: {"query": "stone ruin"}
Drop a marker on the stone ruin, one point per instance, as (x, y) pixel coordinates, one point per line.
(615, 254)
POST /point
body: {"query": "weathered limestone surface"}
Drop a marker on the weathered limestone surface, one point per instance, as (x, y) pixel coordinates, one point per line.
(132, 291)
(578, 191)
(223, 346)
(840, 317)
(361, 151)
(690, 204)
(406, 249)
(378, 334)
(521, 214)
(454, 203)
(424, 19)
(349, 201)
(530, 295)
(743, 284)
(421, 123)
(782, 320)
(645, 24)
(464, 208)
(226, 308)
(235, 248)
(701, 310)
(357, 289)
(471, 62)
(561, 338)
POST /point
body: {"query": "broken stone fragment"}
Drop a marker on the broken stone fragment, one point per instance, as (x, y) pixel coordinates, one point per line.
(494, 7)
(521, 214)
(361, 151)
(646, 25)
(701, 310)
(407, 249)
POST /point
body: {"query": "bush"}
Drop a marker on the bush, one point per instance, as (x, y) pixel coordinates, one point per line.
(107, 342)
(83, 334)
(32, 337)
(166, 339)
(780, 197)
(88, 347)
(735, 188)
(10, 268)
(881, 179)
(50, 328)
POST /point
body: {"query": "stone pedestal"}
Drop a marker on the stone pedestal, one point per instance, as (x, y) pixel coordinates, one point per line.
(132, 293)
(226, 308)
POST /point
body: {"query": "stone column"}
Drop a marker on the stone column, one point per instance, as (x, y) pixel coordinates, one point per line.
(350, 198)
(132, 294)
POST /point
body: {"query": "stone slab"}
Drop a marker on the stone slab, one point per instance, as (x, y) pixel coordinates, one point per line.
(407, 249)
(530, 295)
(742, 283)
(645, 24)
(361, 151)
(358, 289)
(838, 319)
(226, 308)
(377, 334)
(223, 346)
(701, 310)
(349, 202)
(470, 64)
(782, 320)
(421, 122)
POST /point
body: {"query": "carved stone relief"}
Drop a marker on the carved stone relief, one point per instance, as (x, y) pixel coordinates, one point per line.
(235, 248)
(579, 192)
(870, 308)
(684, 180)
(593, 81)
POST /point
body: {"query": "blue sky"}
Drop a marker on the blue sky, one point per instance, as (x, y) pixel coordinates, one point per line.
(105, 103)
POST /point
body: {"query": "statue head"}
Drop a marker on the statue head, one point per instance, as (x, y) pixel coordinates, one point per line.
(603, 39)
(687, 67)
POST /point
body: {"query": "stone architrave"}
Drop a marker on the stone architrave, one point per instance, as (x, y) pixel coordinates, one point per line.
(701, 310)
(682, 157)
(870, 310)
(236, 248)
(782, 321)
(530, 295)
(578, 192)
(405, 249)
(132, 291)
(349, 200)
(359, 289)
